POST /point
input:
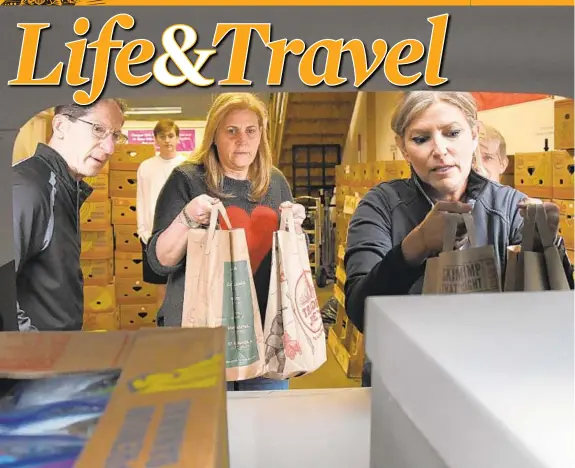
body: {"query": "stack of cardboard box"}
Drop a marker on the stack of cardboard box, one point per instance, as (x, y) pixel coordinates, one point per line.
(549, 175)
(137, 301)
(97, 257)
(353, 182)
(563, 185)
(115, 295)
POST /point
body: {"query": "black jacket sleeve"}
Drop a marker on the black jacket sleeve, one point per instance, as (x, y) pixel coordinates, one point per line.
(174, 196)
(373, 265)
(30, 219)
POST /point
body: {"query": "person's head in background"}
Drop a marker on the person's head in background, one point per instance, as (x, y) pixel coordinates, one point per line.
(437, 135)
(491, 157)
(86, 136)
(167, 135)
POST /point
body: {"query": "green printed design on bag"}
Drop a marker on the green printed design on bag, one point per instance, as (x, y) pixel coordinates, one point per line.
(238, 315)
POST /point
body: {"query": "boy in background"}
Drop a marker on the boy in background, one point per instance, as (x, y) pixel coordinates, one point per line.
(152, 175)
(491, 156)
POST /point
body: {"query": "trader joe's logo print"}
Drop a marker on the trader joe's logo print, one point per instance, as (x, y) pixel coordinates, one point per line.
(307, 304)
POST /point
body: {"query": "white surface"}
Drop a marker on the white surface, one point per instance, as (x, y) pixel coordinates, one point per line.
(487, 378)
(299, 428)
(399, 444)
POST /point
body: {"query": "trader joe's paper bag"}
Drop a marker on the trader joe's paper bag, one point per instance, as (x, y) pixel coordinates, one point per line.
(220, 291)
(475, 269)
(294, 335)
(531, 269)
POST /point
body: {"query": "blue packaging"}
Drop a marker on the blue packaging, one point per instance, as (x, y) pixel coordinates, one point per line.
(78, 416)
(63, 387)
(40, 451)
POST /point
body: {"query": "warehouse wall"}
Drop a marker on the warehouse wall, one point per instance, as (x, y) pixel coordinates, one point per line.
(36, 130)
(525, 127)
(386, 147)
(197, 125)
(357, 134)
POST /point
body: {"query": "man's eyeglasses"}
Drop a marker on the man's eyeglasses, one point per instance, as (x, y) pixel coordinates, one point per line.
(101, 132)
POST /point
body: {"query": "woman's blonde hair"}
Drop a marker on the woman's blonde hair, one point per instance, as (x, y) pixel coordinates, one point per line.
(413, 103)
(260, 170)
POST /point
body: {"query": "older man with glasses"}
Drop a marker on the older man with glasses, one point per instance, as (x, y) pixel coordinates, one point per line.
(48, 191)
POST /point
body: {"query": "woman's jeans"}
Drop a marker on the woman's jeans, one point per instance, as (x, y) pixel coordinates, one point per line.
(259, 383)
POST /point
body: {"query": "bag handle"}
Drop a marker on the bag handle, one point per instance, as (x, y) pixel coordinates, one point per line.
(470, 227)
(546, 236)
(453, 220)
(536, 221)
(287, 223)
(217, 209)
(529, 228)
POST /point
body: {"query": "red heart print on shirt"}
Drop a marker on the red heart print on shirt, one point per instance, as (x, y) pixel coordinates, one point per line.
(259, 228)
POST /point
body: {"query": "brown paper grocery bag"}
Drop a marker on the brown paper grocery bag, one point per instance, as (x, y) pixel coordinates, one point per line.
(475, 269)
(219, 291)
(431, 276)
(294, 335)
(531, 270)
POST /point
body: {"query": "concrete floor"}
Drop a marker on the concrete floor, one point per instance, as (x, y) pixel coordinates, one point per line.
(330, 375)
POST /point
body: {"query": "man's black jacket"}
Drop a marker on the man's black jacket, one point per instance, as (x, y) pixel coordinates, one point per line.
(47, 242)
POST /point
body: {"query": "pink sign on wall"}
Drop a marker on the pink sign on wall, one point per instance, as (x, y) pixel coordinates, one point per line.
(187, 138)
